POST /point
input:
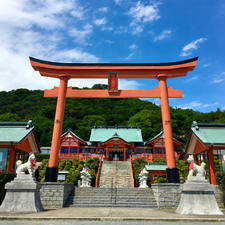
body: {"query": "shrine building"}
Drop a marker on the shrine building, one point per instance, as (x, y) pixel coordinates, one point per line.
(207, 140)
(112, 142)
(17, 140)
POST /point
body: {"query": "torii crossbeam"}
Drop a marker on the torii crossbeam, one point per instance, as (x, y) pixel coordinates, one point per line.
(113, 72)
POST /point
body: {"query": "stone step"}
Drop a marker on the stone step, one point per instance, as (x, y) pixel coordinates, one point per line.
(128, 198)
(111, 206)
(107, 197)
(113, 202)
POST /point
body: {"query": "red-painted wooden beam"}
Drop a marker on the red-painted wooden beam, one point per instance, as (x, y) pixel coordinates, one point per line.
(83, 93)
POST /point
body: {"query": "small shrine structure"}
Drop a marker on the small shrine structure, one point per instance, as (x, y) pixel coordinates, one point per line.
(157, 144)
(207, 140)
(17, 140)
(113, 72)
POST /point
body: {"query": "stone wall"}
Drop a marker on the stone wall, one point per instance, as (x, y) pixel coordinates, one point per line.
(54, 195)
(167, 195)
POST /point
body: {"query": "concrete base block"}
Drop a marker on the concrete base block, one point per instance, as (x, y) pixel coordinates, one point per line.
(198, 198)
(22, 195)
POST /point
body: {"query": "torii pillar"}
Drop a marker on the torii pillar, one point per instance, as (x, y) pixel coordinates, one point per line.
(172, 171)
(52, 170)
(113, 71)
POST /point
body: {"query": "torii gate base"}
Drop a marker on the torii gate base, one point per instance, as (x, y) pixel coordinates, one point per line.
(113, 71)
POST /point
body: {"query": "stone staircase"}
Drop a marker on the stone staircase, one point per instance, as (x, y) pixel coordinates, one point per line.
(113, 193)
(112, 197)
(123, 175)
(107, 174)
(123, 178)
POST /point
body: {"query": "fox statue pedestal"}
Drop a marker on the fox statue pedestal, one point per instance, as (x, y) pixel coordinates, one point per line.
(22, 195)
(198, 197)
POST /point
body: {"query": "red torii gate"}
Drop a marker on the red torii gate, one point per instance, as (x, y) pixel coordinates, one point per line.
(113, 71)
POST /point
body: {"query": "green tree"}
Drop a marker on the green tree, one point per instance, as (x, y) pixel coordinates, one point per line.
(149, 121)
(9, 117)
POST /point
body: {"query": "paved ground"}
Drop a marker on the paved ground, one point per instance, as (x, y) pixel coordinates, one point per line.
(112, 214)
(78, 222)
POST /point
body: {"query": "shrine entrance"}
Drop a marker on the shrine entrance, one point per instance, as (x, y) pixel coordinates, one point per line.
(116, 148)
(113, 72)
(116, 154)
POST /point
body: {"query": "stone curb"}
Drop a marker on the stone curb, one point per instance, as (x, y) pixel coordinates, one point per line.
(210, 219)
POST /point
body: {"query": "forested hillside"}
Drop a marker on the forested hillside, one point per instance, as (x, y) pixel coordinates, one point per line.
(82, 114)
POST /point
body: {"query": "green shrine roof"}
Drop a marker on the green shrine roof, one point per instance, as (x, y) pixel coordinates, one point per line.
(156, 167)
(209, 133)
(14, 132)
(71, 132)
(159, 134)
(104, 133)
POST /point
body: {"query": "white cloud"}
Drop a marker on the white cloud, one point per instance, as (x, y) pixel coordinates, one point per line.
(219, 78)
(107, 28)
(38, 28)
(100, 22)
(132, 47)
(196, 105)
(75, 55)
(142, 14)
(187, 49)
(45, 14)
(124, 84)
(191, 79)
(164, 34)
(81, 35)
(130, 56)
(117, 2)
(109, 42)
(128, 84)
(206, 65)
(103, 9)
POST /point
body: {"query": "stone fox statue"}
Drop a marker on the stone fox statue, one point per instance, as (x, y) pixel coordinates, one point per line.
(194, 168)
(29, 165)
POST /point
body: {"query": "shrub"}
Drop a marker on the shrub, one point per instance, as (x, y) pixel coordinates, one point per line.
(74, 167)
(160, 179)
(6, 177)
(73, 176)
(92, 163)
(93, 177)
(220, 178)
(40, 157)
(158, 161)
(68, 165)
(62, 163)
(42, 170)
(183, 167)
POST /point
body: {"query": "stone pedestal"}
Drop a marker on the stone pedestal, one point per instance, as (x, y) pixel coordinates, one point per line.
(22, 195)
(198, 198)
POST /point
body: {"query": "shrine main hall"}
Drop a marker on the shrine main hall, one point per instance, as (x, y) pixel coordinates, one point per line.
(113, 142)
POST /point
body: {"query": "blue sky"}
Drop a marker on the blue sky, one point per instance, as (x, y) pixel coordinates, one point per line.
(117, 31)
